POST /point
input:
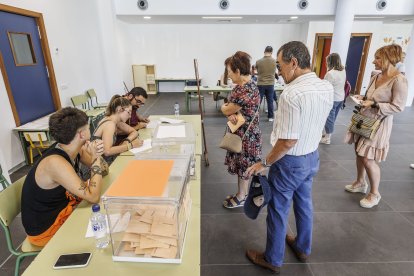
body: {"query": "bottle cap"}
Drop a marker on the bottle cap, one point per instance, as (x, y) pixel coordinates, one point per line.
(96, 208)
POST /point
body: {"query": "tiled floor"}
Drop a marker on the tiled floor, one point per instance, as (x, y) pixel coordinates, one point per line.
(347, 239)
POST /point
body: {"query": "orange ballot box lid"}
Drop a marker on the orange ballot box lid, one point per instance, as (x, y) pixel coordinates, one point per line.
(142, 178)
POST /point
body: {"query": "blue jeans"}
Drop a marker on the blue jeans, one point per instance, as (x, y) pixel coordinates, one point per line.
(290, 178)
(269, 92)
(330, 121)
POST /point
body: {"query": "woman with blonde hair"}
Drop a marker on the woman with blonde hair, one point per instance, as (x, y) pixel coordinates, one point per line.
(118, 112)
(386, 95)
(336, 75)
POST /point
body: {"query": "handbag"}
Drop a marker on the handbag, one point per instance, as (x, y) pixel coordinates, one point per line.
(363, 125)
(233, 142)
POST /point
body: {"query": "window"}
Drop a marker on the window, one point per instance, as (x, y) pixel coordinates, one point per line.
(22, 48)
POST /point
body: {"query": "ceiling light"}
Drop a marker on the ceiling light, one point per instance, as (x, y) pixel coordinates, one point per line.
(147, 17)
(293, 17)
(369, 17)
(222, 17)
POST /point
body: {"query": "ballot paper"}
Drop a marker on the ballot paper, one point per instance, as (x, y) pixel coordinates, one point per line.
(173, 131)
(170, 121)
(144, 147)
(355, 99)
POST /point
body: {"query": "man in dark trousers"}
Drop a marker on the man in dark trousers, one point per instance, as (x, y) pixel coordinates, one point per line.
(266, 69)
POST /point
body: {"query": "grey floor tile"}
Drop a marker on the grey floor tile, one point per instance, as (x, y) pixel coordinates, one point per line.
(11, 263)
(330, 196)
(226, 238)
(338, 152)
(216, 172)
(18, 235)
(249, 270)
(409, 216)
(362, 237)
(398, 194)
(332, 170)
(366, 269)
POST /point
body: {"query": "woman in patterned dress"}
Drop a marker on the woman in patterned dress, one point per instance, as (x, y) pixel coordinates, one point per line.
(244, 98)
(386, 96)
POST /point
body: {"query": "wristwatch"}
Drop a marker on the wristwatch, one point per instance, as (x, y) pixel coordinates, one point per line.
(374, 105)
(264, 163)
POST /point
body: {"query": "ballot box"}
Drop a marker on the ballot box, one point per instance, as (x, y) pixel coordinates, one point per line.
(175, 139)
(148, 208)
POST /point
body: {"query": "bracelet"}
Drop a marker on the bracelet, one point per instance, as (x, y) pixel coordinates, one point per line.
(126, 139)
(264, 163)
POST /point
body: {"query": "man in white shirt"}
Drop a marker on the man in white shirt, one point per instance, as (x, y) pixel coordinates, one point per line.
(304, 106)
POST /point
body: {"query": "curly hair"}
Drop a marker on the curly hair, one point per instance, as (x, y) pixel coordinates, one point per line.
(64, 124)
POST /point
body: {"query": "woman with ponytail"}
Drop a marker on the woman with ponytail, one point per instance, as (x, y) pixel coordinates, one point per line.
(118, 112)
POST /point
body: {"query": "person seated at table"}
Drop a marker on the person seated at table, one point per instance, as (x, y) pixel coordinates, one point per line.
(52, 187)
(137, 97)
(117, 113)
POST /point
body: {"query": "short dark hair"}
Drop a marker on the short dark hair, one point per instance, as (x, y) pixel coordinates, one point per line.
(268, 49)
(64, 124)
(240, 60)
(298, 50)
(138, 91)
(114, 103)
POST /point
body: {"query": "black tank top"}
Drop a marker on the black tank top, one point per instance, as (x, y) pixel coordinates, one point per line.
(40, 207)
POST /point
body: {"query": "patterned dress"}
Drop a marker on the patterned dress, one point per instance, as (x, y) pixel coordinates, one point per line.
(246, 96)
(391, 98)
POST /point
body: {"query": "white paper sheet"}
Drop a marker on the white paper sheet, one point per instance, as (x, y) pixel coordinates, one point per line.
(171, 121)
(171, 131)
(356, 100)
(153, 124)
(144, 147)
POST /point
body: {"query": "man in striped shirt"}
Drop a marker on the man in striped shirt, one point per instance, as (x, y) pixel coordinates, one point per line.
(304, 106)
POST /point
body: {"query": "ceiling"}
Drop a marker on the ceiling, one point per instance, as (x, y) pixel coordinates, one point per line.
(255, 19)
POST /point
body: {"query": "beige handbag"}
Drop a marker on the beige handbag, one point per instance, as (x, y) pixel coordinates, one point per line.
(233, 142)
(364, 126)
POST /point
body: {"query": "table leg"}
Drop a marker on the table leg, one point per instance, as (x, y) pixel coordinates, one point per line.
(24, 147)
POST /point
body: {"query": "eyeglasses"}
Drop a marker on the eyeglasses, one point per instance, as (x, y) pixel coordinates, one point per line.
(139, 102)
(278, 67)
(127, 110)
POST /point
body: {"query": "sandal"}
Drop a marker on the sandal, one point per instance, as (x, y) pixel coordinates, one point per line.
(233, 202)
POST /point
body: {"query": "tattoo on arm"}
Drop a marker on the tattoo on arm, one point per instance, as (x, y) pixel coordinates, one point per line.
(86, 186)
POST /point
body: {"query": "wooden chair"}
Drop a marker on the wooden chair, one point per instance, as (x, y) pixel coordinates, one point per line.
(80, 101)
(10, 206)
(3, 180)
(92, 95)
(38, 141)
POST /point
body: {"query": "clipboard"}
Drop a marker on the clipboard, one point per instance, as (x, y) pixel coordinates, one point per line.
(240, 122)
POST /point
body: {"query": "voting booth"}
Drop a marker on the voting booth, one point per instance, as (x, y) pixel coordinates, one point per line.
(148, 207)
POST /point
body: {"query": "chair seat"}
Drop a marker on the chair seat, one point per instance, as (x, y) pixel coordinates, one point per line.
(94, 112)
(28, 247)
(100, 106)
(45, 144)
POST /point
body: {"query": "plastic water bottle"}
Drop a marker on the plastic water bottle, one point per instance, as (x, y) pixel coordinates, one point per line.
(177, 110)
(98, 223)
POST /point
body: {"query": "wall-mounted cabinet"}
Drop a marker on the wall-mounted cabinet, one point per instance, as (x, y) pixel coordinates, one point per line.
(144, 76)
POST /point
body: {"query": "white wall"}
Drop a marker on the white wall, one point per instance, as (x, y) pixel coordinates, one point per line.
(78, 64)
(172, 48)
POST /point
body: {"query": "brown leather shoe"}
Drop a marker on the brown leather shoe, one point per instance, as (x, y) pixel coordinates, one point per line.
(258, 259)
(290, 240)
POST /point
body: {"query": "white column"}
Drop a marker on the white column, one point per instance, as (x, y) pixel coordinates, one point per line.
(344, 18)
(409, 69)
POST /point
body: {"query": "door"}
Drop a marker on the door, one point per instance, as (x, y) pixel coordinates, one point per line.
(353, 60)
(25, 68)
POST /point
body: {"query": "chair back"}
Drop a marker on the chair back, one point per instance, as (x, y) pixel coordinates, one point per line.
(35, 136)
(91, 93)
(10, 202)
(80, 100)
(3, 180)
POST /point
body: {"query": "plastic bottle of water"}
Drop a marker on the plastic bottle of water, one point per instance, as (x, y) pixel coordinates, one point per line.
(177, 110)
(98, 223)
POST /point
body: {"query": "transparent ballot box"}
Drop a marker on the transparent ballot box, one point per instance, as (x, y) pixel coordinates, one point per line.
(175, 139)
(148, 208)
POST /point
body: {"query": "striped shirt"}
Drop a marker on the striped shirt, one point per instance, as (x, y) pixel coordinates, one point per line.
(304, 105)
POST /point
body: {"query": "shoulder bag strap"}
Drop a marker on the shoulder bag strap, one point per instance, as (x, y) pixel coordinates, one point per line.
(254, 117)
